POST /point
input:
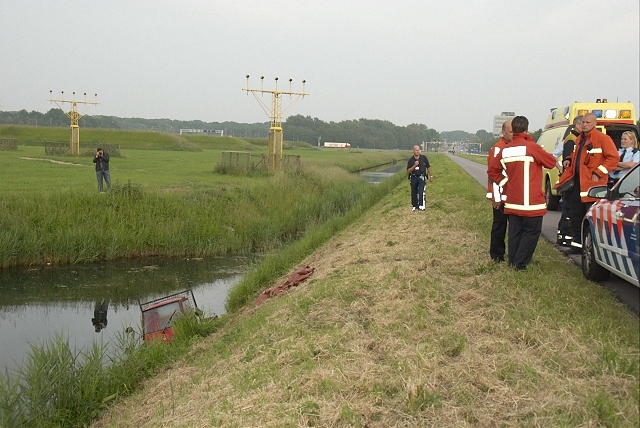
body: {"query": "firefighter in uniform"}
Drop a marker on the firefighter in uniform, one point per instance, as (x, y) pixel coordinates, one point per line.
(518, 169)
(593, 158)
(564, 228)
(497, 247)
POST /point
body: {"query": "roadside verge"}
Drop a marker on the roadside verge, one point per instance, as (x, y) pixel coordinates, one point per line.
(407, 322)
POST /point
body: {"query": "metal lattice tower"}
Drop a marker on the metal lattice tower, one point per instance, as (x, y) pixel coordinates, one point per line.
(275, 114)
(74, 116)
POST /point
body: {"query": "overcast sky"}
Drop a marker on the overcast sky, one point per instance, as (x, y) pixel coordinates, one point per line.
(449, 64)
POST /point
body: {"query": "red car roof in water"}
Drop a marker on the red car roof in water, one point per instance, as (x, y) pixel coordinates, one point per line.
(165, 302)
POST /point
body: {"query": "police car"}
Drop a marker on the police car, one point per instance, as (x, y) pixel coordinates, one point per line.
(610, 231)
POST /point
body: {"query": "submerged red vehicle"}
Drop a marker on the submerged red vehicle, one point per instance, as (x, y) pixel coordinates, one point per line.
(158, 315)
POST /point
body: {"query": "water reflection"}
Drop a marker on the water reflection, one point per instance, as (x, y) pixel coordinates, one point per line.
(99, 319)
(39, 303)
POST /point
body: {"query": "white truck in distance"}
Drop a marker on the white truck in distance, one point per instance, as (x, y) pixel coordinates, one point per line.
(337, 145)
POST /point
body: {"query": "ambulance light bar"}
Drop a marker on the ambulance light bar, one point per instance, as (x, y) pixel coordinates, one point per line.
(607, 114)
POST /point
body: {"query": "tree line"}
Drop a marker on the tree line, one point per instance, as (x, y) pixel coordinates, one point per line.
(362, 133)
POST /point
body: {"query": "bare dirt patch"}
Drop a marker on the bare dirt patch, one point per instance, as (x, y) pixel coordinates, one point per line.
(52, 161)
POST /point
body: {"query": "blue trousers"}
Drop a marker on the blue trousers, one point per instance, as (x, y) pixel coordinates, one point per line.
(103, 175)
(497, 248)
(523, 238)
(417, 191)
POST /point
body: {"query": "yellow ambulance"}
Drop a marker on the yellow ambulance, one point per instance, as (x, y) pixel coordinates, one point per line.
(613, 120)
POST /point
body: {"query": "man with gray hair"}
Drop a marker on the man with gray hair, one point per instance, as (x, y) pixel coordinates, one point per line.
(418, 170)
(593, 158)
(497, 248)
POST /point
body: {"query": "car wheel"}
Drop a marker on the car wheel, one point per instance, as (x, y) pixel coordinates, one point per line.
(590, 269)
(553, 201)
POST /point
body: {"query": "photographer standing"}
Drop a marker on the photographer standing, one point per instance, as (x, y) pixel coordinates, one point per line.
(102, 168)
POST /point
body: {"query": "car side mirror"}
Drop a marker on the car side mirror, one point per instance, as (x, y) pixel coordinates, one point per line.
(599, 192)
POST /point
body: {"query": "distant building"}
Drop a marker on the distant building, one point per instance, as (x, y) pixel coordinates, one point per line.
(217, 132)
(500, 119)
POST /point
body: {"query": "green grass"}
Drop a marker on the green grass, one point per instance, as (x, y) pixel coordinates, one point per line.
(59, 385)
(280, 262)
(37, 136)
(165, 202)
(481, 158)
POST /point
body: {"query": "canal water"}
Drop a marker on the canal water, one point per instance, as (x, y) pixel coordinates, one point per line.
(38, 304)
(378, 174)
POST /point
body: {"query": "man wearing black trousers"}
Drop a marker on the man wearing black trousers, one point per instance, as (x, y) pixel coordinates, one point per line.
(497, 247)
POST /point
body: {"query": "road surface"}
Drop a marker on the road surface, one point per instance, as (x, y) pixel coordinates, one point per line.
(626, 292)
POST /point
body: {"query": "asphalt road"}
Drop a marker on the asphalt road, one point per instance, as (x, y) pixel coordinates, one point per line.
(624, 291)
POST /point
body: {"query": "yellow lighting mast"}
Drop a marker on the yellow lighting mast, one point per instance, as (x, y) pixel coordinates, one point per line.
(74, 116)
(276, 113)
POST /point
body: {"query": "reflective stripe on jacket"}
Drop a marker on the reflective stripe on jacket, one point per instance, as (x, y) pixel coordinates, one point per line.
(598, 155)
(494, 191)
(518, 168)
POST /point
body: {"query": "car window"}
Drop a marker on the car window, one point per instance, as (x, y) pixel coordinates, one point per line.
(629, 186)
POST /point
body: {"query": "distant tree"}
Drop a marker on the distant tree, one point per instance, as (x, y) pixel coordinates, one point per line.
(55, 117)
(536, 134)
(451, 136)
(365, 133)
(483, 135)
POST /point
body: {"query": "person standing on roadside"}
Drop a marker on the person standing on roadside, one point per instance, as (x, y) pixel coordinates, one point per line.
(593, 158)
(564, 229)
(418, 168)
(629, 156)
(497, 247)
(102, 168)
(518, 169)
(565, 148)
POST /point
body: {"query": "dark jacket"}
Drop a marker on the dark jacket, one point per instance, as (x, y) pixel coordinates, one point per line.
(423, 163)
(102, 162)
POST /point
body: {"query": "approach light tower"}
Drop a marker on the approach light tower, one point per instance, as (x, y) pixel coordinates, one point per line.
(74, 116)
(276, 136)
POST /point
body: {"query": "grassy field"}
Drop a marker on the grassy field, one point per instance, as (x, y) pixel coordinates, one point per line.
(481, 158)
(166, 200)
(407, 322)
